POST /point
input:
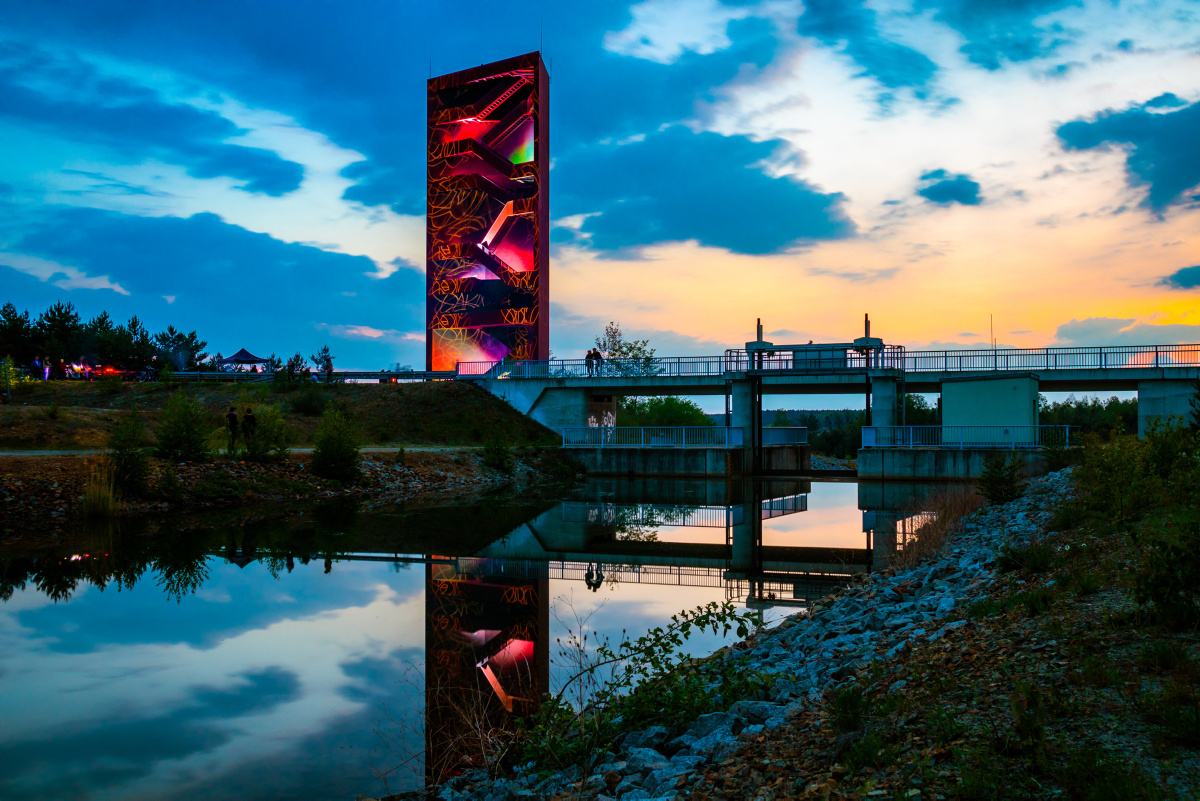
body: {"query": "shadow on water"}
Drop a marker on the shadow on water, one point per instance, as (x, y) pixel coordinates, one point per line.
(489, 568)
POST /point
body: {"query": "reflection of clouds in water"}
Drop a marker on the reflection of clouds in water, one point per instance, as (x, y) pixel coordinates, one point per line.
(833, 520)
(140, 717)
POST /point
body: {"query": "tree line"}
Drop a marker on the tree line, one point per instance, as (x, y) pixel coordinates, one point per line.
(59, 334)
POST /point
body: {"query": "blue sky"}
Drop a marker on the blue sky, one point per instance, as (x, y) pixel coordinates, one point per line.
(256, 170)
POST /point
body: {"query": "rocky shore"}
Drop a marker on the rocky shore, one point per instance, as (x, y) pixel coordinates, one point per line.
(41, 496)
(857, 635)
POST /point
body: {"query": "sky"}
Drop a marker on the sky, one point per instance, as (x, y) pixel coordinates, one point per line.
(255, 171)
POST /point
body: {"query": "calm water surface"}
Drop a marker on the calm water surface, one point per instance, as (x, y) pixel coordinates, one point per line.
(288, 659)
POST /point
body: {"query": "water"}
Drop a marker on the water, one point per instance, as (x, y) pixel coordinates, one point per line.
(288, 659)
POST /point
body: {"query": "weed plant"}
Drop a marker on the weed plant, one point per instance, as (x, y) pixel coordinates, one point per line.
(947, 509)
(183, 432)
(54, 412)
(1032, 559)
(99, 496)
(127, 453)
(336, 447)
(269, 443)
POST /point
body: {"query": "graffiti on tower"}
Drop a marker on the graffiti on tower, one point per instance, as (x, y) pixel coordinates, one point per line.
(487, 227)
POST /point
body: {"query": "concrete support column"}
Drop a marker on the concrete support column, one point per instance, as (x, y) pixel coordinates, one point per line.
(742, 408)
(1163, 399)
(557, 408)
(885, 410)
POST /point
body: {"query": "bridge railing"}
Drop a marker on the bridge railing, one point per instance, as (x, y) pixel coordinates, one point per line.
(652, 437)
(795, 435)
(1052, 358)
(650, 515)
(959, 437)
(950, 361)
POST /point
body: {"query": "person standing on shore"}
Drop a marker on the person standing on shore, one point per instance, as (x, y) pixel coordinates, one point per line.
(249, 425)
(231, 421)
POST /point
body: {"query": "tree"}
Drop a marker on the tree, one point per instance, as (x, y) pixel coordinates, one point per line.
(918, 412)
(61, 331)
(296, 364)
(320, 357)
(17, 335)
(625, 357)
(274, 363)
(781, 419)
(183, 351)
(661, 411)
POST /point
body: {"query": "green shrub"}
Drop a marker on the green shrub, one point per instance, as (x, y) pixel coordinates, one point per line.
(1034, 558)
(270, 440)
(849, 710)
(498, 456)
(54, 412)
(1029, 719)
(1176, 711)
(1067, 517)
(309, 401)
(400, 456)
(868, 752)
(169, 487)
(1090, 773)
(1115, 478)
(335, 448)
(1163, 656)
(1169, 575)
(127, 453)
(184, 430)
(1036, 602)
(1003, 477)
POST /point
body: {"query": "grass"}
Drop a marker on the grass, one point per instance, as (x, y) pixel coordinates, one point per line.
(99, 495)
(1034, 558)
(947, 507)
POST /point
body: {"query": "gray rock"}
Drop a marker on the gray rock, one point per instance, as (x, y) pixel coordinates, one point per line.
(652, 737)
(594, 784)
(897, 686)
(946, 606)
(630, 784)
(687, 762)
(643, 760)
(635, 794)
(706, 724)
(755, 711)
(680, 744)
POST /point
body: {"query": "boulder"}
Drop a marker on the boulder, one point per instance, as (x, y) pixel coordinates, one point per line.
(652, 737)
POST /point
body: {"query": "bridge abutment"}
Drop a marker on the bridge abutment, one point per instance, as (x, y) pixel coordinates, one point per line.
(1162, 400)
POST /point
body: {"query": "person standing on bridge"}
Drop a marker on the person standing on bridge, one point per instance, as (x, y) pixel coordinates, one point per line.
(589, 360)
(599, 362)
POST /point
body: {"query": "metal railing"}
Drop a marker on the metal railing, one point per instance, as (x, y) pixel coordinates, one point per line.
(949, 361)
(650, 515)
(960, 437)
(652, 437)
(787, 505)
(794, 435)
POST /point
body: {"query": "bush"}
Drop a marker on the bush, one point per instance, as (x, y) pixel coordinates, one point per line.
(270, 440)
(1003, 477)
(849, 710)
(1035, 558)
(110, 385)
(184, 429)
(310, 401)
(54, 412)
(664, 411)
(1169, 576)
(335, 448)
(127, 453)
(498, 456)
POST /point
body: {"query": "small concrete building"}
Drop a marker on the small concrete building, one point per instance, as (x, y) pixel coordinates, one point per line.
(990, 400)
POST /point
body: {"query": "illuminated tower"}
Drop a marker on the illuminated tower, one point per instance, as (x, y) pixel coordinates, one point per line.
(487, 230)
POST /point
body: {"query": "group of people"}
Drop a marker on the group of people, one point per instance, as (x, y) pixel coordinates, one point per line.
(594, 579)
(248, 426)
(594, 361)
(45, 368)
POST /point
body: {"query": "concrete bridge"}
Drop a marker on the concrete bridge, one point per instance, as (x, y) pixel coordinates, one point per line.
(977, 387)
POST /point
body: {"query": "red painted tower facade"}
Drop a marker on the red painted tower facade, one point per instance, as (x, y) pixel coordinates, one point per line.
(487, 244)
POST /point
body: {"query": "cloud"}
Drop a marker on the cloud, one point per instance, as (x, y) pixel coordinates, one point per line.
(999, 31)
(663, 30)
(677, 185)
(857, 276)
(942, 188)
(70, 98)
(853, 26)
(237, 287)
(1160, 147)
(1096, 331)
(1185, 278)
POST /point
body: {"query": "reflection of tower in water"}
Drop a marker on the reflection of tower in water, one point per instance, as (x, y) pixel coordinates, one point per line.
(487, 660)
